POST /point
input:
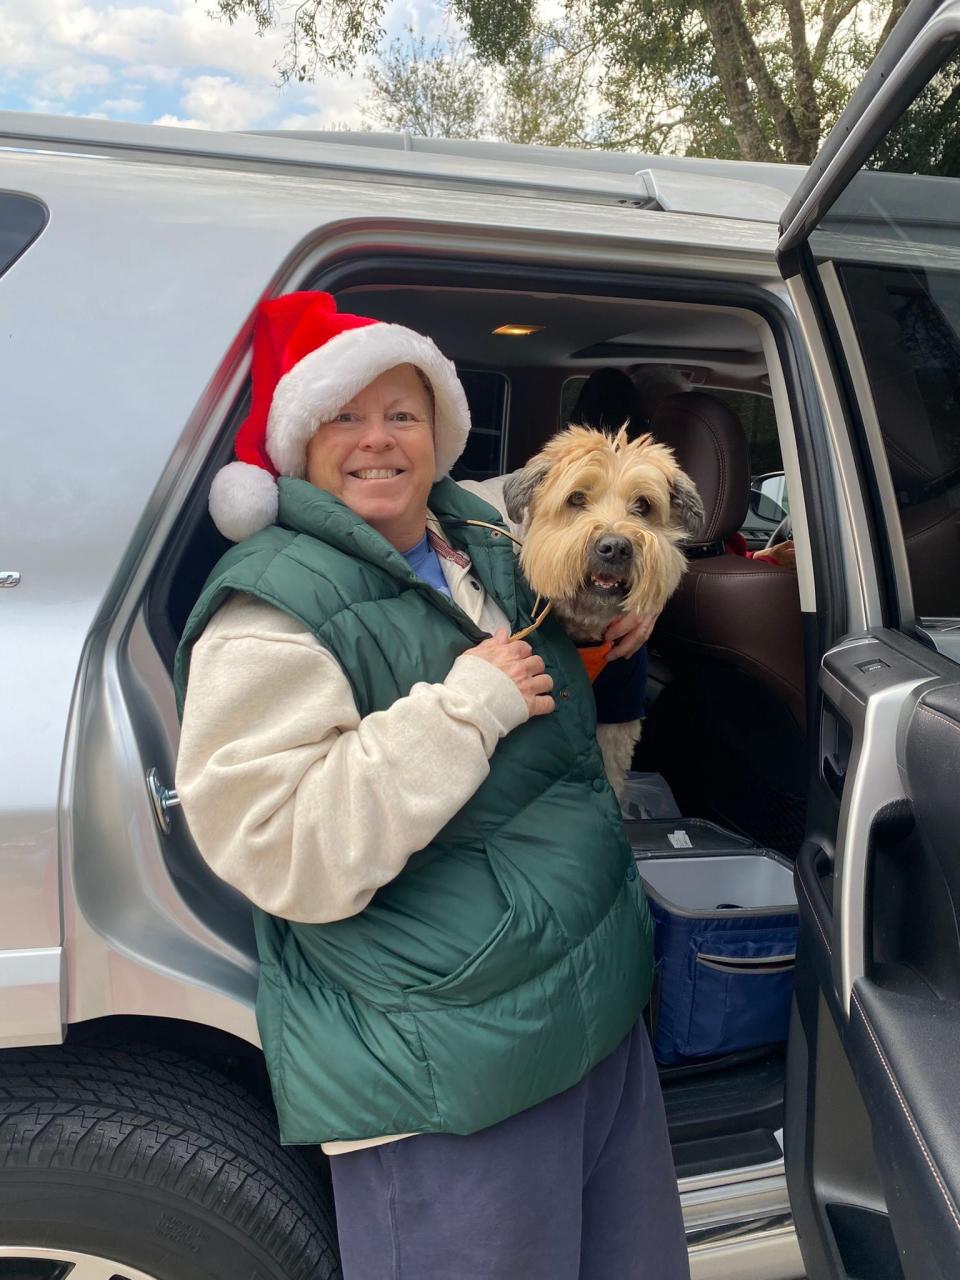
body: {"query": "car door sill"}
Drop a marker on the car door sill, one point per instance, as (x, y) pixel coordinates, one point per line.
(742, 1216)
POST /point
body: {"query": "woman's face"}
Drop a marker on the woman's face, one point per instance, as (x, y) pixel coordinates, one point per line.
(377, 455)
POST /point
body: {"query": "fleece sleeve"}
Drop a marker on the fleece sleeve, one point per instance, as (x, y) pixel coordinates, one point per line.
(295, 800)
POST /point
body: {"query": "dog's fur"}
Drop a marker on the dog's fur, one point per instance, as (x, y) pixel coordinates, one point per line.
(603, 519)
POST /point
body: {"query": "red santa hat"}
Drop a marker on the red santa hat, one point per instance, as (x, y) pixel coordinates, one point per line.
(309, 360)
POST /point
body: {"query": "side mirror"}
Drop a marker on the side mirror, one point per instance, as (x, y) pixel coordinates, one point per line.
(767, 498)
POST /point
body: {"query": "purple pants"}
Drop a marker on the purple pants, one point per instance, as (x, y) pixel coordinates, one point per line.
(580, 1187)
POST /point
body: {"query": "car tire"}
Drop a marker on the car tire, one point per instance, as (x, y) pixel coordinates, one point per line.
(146, 1159)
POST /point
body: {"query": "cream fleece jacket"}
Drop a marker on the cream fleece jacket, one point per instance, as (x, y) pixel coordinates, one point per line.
(296, 801)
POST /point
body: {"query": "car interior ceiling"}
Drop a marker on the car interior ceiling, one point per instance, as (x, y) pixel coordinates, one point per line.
(722, 1114)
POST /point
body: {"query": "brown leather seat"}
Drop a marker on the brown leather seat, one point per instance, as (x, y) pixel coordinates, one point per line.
(731, 721)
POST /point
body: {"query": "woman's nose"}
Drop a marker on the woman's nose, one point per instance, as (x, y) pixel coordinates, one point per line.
(376, 434)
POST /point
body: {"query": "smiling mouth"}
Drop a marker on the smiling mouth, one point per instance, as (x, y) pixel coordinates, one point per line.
(376, 473)
(604, 584)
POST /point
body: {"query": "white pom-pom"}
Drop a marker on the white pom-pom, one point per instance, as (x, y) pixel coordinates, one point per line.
(243, 500)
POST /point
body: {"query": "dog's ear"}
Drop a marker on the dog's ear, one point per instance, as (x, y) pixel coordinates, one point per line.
(686, 507)
(519, 488)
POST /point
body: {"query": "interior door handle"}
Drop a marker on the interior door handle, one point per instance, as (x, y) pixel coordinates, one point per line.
(812, 867)
(834, 773)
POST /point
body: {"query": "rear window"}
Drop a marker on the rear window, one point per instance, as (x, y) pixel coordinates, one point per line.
(22, 218)
(488, 395)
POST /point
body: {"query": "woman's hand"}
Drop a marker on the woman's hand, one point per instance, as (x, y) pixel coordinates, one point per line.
(783, 554)
(628, 633)
(517, 660)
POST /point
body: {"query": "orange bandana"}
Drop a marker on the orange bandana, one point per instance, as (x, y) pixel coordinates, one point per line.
(594, 658)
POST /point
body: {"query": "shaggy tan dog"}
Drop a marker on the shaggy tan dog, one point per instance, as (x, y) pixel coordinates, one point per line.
(602, 520)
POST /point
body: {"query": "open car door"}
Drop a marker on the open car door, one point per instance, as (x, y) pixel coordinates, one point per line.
(870, 250)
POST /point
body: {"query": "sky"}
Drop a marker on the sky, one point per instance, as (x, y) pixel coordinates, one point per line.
(169, 62)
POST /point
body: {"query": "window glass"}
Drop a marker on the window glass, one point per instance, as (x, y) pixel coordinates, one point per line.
(894, 237)
(488, 397)
(568, 398)
(21, 220)
(768, 495)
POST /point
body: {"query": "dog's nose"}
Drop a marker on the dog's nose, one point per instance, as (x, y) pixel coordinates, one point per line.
(614, 548)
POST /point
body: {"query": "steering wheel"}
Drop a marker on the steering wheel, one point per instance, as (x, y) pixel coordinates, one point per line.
(781, 533)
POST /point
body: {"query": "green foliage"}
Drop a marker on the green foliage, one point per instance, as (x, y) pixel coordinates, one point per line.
(319, 34)
(746, 79)
(537, 96)
(926, 139)
(437, 92)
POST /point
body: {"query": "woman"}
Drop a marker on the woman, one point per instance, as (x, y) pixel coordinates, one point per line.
(454, 949)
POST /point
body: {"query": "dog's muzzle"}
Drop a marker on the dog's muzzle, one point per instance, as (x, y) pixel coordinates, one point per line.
(610, 565)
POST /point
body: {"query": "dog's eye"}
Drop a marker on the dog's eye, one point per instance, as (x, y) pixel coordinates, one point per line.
(577, 499)
(641, 506)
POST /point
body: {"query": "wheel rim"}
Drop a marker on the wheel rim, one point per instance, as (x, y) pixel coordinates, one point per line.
(23, 1262)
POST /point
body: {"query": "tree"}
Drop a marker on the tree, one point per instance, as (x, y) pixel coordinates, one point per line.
(538, 96)
(751, 79)
(437, 92)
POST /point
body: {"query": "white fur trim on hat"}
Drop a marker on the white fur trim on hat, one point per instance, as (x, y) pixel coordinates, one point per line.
(243, 500)
(326, 379)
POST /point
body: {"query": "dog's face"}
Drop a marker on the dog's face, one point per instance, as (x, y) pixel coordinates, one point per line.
(604, 518)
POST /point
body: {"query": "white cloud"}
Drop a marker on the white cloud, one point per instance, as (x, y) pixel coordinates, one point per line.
(170, 58)
(122, 106)
(176, 123)
(328, 103)
(151, 73)
(222, 103)
(67, 81)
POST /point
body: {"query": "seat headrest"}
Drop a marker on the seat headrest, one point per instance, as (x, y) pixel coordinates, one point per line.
(711, 446)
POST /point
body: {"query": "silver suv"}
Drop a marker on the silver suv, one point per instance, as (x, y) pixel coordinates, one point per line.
(137, 1137)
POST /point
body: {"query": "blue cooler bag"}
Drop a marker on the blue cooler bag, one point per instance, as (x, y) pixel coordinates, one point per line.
(725, 915)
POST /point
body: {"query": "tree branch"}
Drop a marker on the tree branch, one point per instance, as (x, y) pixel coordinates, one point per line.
(833, 15)
(733, 82)
(808, 112)
(794, 149)
(893, 17)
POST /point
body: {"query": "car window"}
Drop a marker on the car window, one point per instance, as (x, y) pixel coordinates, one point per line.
(769, 503)
(22, 218)
(569, 397)
(893, 239)
(488, 395)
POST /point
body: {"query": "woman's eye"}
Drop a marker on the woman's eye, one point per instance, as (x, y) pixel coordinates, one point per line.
(403, 416)
(344, 417)
(641, 506)
(577, 499)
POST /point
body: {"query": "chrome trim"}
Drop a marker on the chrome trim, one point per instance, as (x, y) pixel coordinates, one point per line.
(863, 598)
(9, 577)
(771, 1252)
(163, 798)
(739, 1223)
(872, 780)
(734, 1195)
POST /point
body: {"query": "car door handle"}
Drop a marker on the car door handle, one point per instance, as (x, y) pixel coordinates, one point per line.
(834, 773)
(813, 866)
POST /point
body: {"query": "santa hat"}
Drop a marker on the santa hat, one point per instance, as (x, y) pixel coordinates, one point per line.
(309, 360)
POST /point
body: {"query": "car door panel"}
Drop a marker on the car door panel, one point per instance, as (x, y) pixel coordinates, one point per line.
(871, 254)
(905, 1048)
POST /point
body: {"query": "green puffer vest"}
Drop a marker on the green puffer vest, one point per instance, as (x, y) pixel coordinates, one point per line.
(511, 954)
